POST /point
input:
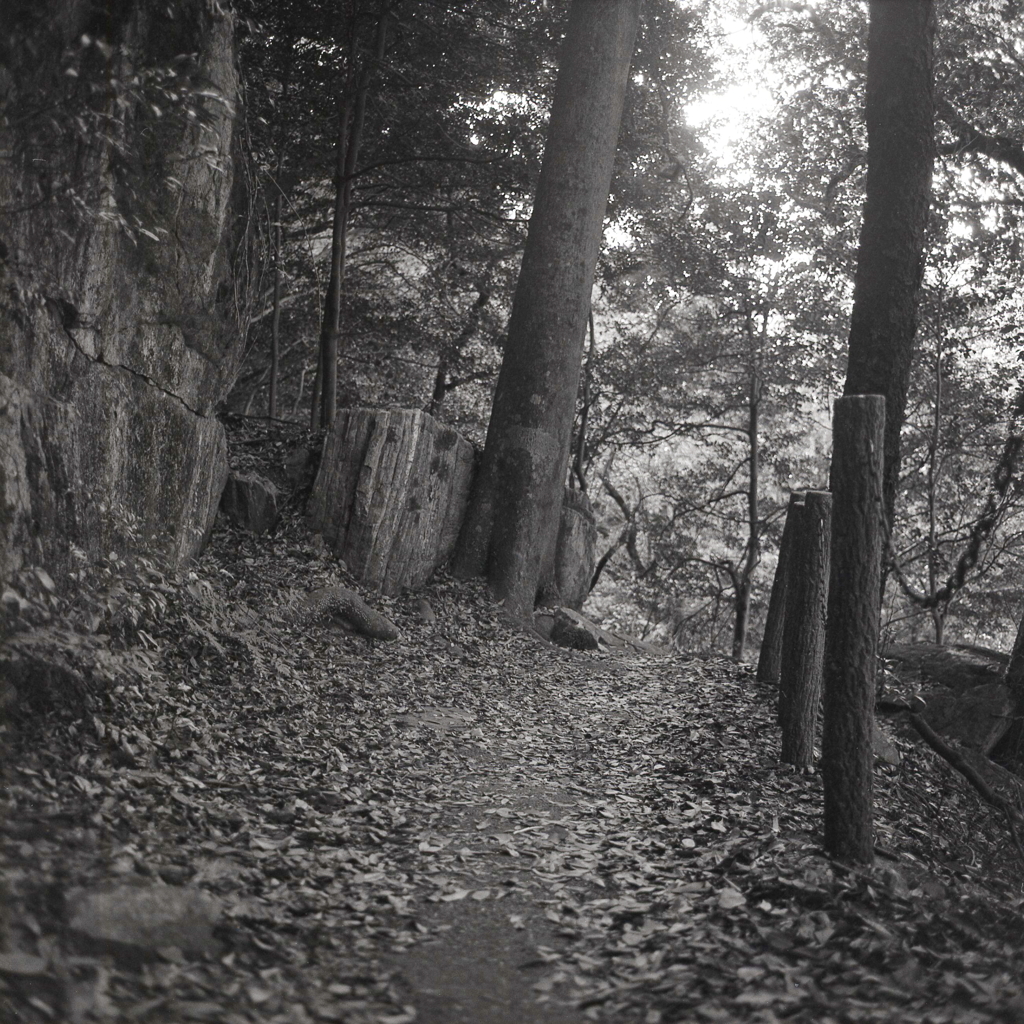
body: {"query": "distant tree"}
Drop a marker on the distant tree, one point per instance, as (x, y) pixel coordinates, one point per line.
(514, 511)
(447, 161)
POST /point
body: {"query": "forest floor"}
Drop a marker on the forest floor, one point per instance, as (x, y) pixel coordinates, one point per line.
(463, 826)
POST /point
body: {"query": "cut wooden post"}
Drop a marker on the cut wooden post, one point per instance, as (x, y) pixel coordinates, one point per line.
(803, 646)
(1013, 678)
(771, 646)
(794, 531)
(852, 632)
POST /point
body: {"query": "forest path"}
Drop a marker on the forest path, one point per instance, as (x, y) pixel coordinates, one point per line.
(469, 826)
(483, 964)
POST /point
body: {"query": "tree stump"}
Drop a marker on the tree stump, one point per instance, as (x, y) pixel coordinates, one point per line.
(390, 494)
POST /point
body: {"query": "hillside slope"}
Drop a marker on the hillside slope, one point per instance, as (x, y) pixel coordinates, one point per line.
(463, 825)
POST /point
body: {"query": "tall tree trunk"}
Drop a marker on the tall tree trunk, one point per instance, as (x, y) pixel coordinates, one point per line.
(514, 511)
(350, 133)
(275, 323)
(580, 447)
(750, 558)
(937, 613)
(900, 112)
(441, 383)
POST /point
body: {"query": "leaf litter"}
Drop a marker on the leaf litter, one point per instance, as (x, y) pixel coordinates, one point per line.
(627, 815)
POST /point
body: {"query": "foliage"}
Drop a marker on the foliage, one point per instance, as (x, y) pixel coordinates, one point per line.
(97, 132)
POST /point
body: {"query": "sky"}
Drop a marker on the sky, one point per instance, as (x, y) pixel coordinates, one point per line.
(724, 117)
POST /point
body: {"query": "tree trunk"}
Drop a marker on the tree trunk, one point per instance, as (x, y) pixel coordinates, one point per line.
(275, 323)
(938, 614)
(770, 659)
(900, 122)
(750, 558)
(514, 515)
(804, 646)
(852, 634)
(580, 447)
(441, 383)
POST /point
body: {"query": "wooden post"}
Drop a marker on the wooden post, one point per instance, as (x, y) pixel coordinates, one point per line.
(803, 646)
(852, 633)
(771, 645)
(1013, 678)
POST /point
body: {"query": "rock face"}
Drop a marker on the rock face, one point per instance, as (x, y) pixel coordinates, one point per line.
(964, 695)
(117, 346)
(576, 550)
(978, 717)
(390, 495)
(959, 667)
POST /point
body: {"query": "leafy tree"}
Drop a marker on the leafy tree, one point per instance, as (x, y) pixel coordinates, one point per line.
(447, 164)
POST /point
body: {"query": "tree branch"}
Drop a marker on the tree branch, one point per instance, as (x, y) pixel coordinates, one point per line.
(972, 140)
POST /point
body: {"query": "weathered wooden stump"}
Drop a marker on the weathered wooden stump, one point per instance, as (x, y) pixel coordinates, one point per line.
(804, 645)
(852, 632)
(390, 495)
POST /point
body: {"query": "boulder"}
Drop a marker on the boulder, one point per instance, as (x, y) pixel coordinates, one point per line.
(978, 717)
(959, 667)
(391, 494)
(884, 748)
(575, 632)
(576, 549)
(133, 923)
(250, 502)
(568, 628)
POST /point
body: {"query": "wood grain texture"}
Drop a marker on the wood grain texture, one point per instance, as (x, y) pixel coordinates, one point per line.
(803, 648)
(852, 632)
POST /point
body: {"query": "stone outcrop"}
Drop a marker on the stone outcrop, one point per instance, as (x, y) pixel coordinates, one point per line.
(979, 717)
(390, 495)
(576, 549)
(250, 502)
(963, 696)
(117, 346)
(957, 666)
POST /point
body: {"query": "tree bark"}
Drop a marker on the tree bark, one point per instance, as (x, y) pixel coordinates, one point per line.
(275, 323)
(514, 514)
(770, 660)
(753, 550)
(938, 613)
(852, 632)
(900, 112)
(804, 646)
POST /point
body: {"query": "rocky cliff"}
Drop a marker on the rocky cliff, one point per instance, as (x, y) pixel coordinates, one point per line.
(120, 301)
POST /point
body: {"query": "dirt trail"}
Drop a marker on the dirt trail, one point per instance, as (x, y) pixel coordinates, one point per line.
(464, 826)
(484, 967)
